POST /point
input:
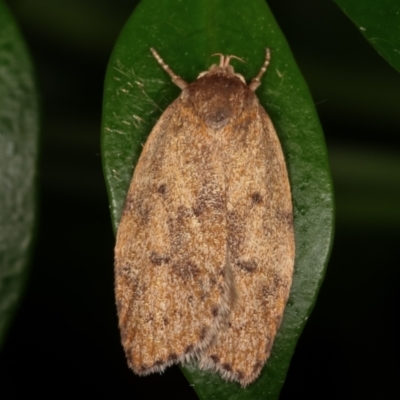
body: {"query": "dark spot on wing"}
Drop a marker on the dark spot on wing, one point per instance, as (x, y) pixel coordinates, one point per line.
(203, 333)
(162, 189)
(247, 266)
(226, 366)
(267, 293)
(256, 198)
(159, 259)
(215, 358)
(186, 270)
(198, 210)
(142, 209)
(239, 375)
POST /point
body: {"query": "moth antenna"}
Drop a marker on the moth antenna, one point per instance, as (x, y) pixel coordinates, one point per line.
(229, 58)
(255, 83)
(224, 60)
(175, 78)
(221, 59)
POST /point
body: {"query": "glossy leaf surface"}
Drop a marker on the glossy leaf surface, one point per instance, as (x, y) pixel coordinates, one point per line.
(379, 22)
(19, 127)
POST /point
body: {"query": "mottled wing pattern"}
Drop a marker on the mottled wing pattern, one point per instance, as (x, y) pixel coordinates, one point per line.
(172, 285)
(260, 246)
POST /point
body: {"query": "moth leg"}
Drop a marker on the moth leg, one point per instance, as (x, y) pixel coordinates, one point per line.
(175, 78)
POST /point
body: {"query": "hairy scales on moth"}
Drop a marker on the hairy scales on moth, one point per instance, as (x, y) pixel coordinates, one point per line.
(205, 246)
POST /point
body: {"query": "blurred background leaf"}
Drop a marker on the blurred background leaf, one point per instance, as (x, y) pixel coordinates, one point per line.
(19, 128)
(67, 321)
(136, 92)
(379, 22)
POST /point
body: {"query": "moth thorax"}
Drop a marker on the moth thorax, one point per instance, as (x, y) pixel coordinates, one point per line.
(218, 98)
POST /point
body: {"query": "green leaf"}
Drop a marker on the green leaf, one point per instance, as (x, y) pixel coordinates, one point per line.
(19, 129)
(137, 90)
(379, 22)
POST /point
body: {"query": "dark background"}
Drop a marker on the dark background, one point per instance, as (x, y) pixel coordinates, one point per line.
(64, 339)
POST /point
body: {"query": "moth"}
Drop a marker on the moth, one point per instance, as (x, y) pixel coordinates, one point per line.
(205, 247)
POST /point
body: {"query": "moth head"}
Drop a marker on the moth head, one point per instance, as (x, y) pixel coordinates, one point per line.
(223, 67)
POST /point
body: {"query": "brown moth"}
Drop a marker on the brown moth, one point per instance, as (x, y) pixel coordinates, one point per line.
(205, 246)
